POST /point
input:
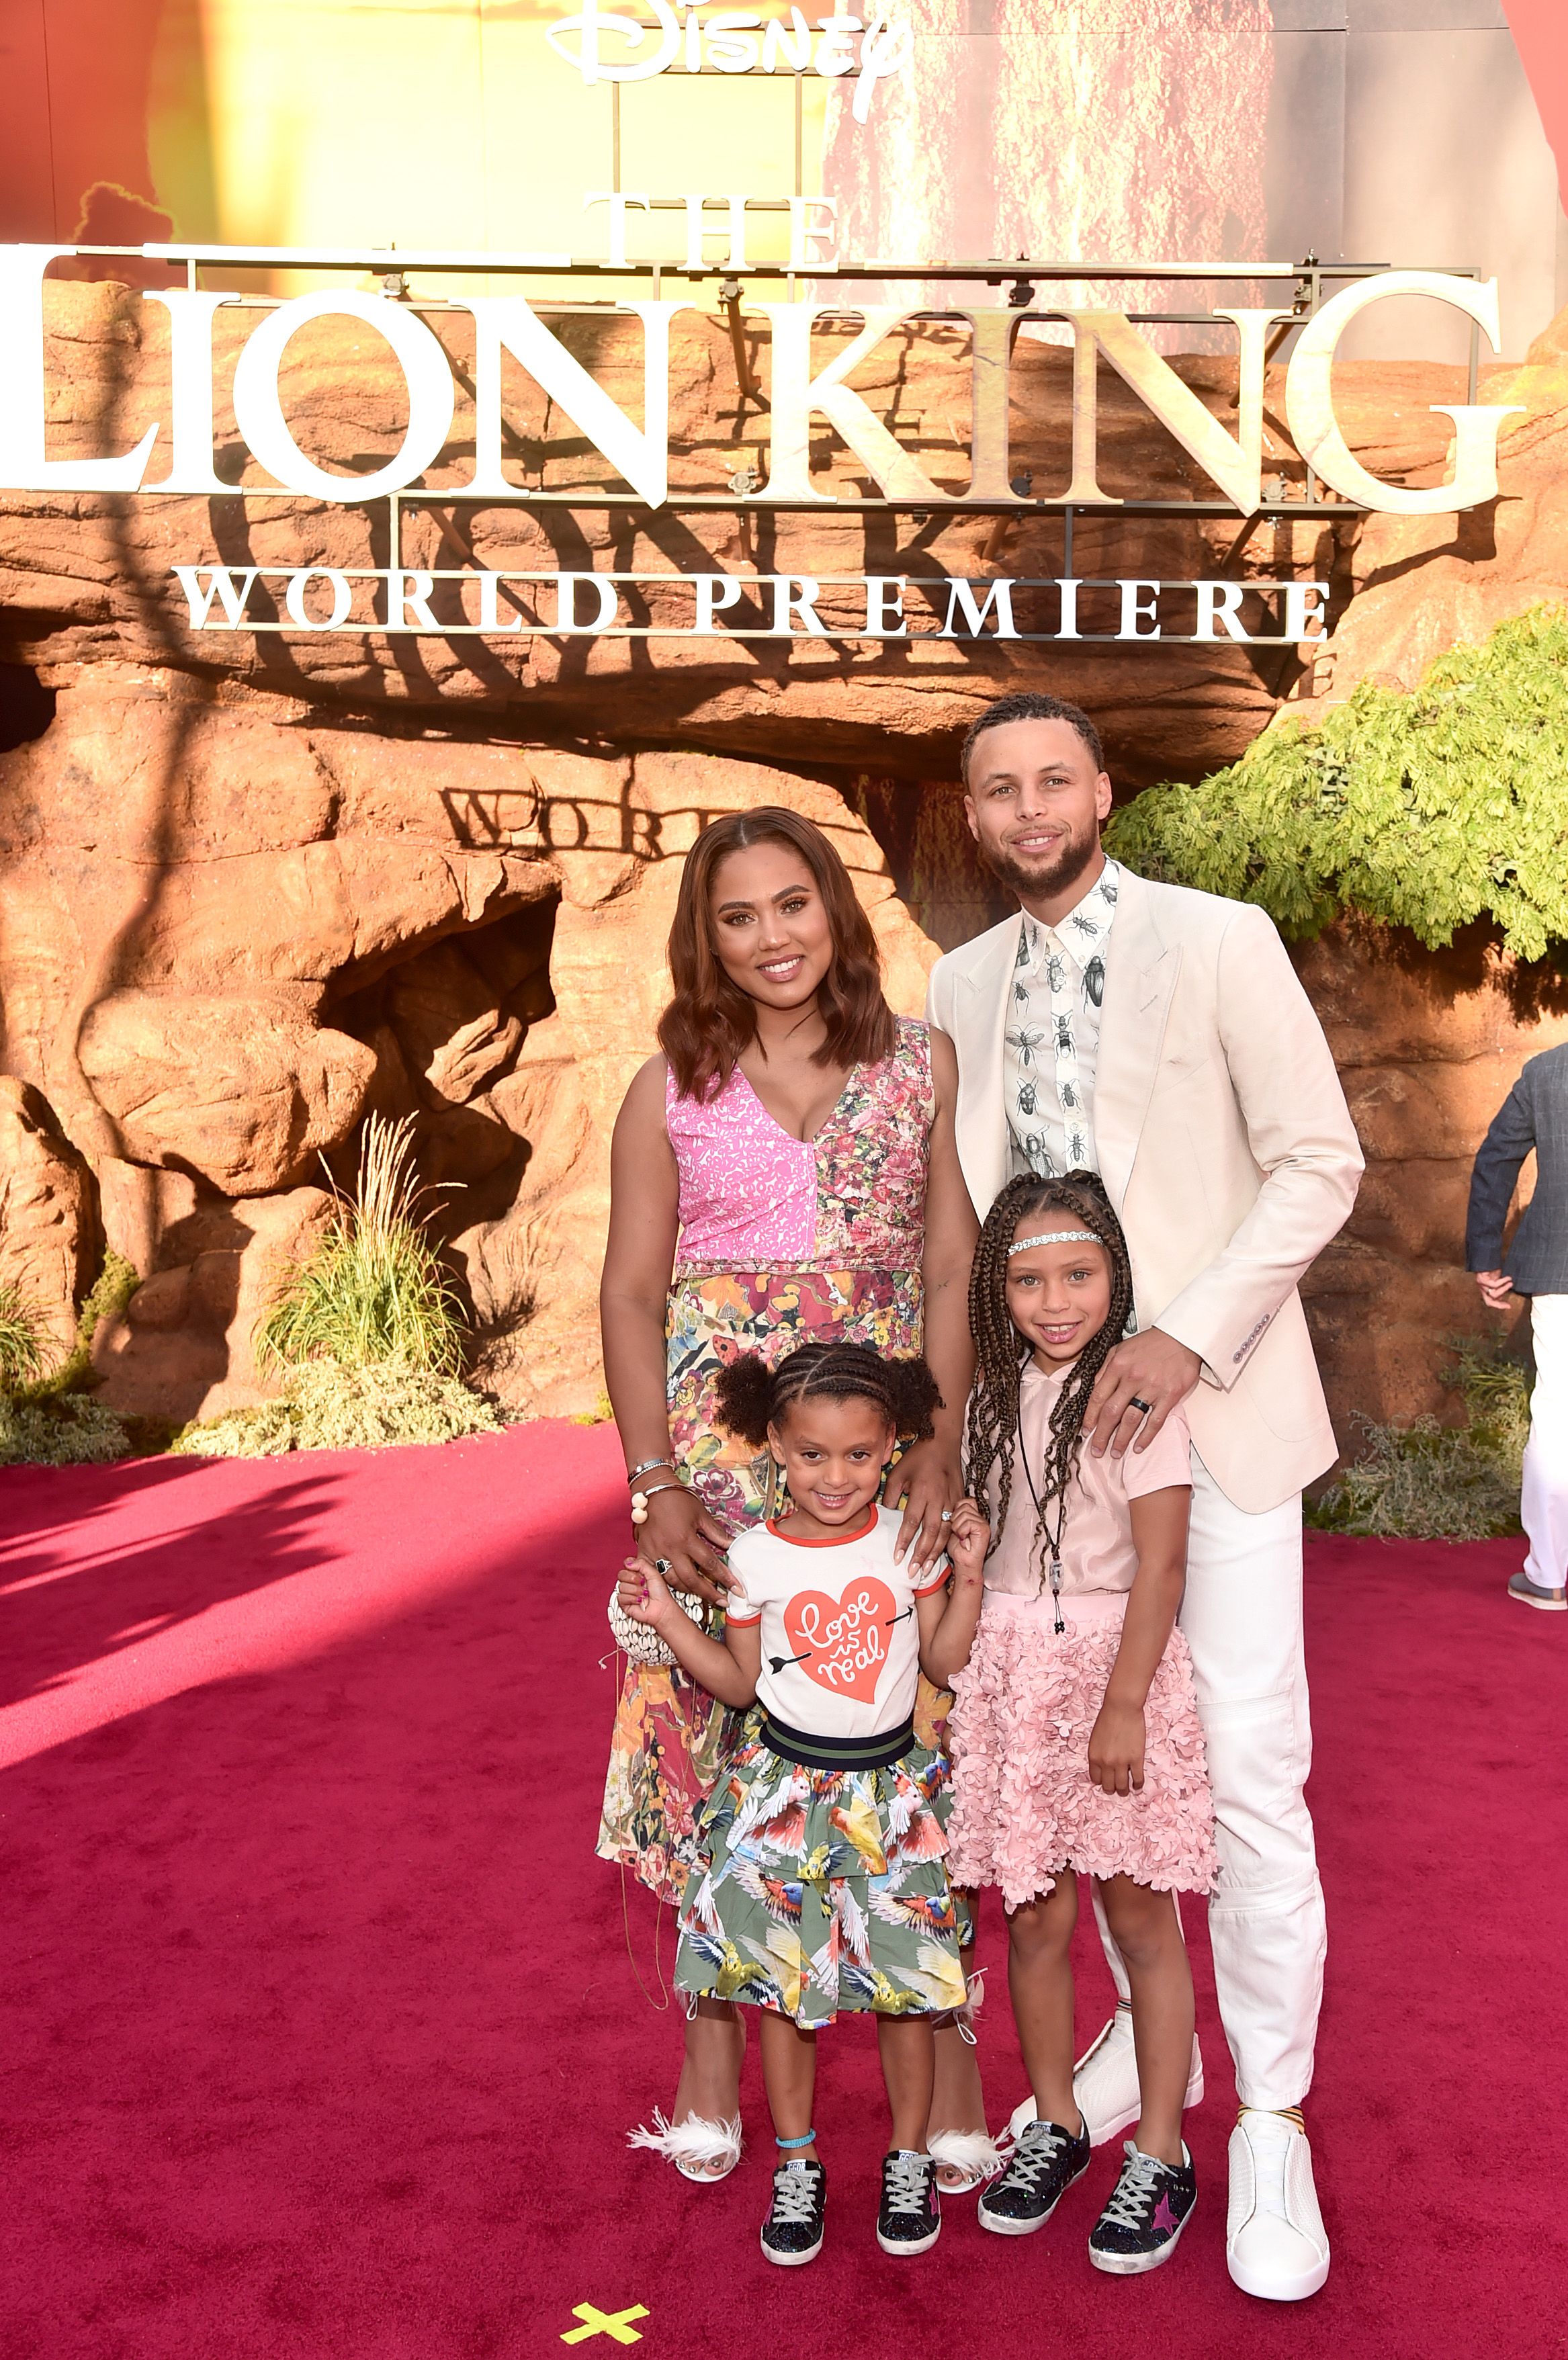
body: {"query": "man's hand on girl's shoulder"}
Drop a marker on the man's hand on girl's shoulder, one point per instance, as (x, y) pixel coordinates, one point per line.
(1142, 1382)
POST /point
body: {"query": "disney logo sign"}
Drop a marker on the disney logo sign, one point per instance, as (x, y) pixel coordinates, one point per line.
(735, 41)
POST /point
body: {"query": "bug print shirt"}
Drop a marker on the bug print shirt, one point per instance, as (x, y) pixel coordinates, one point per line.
(1051, 1038)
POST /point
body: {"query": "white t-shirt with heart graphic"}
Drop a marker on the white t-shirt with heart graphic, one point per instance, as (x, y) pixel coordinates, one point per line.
(840, 1639)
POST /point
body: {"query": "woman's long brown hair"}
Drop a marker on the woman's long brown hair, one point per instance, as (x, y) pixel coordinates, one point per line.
(1001, 1352)
(711, 1021)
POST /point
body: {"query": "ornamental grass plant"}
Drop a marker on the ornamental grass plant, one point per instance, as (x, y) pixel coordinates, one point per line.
(25, 1351)
(1425, 808)
(1429, 1482)
(373, 1291)
(366, 1333)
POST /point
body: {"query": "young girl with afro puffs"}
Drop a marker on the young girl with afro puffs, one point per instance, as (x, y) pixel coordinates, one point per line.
(820, 1882)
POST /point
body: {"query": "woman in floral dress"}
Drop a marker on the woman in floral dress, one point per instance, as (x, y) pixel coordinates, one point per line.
(783, 1170)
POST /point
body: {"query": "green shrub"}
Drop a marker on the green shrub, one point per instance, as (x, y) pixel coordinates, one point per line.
(69, 1430)
(373, 1290)
(1425, 808)
(326, 1407)
(25, 1344)
(1427, 1481)
(46, 1420)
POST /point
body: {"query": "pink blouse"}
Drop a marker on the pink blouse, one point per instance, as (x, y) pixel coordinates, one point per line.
(754, 1198)
(1097, 1552)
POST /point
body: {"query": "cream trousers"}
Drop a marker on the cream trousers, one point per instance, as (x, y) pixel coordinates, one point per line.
(1543, 1509)
(1242, 1615)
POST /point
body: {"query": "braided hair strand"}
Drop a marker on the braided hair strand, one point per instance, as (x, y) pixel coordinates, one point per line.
(992, 1432)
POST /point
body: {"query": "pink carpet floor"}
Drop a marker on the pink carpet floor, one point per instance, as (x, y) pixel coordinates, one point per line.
(322, 2030)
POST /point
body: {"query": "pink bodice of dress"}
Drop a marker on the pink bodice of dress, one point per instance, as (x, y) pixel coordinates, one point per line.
(754, 1197)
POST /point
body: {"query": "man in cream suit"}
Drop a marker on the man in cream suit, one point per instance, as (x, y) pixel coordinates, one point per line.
(1161, 1037)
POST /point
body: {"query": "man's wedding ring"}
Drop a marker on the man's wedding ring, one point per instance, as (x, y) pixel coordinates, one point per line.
(1135, 1403)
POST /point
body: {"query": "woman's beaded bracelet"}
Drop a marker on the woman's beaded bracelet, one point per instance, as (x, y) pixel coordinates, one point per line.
(646, 1466)
(640, 1498)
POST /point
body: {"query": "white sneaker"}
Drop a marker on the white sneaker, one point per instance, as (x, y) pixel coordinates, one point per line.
(1105, 2082)
(1276, 2244)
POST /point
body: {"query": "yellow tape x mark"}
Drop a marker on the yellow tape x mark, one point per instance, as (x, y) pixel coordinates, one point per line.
(604, 2323)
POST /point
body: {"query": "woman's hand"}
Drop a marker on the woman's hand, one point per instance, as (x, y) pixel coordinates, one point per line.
(1116, 1748)
(690, 1542)
(642, 1594)
(969, 1537)
(928, 1480)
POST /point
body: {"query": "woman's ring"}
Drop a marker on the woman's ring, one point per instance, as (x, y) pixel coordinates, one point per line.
(663, 1567)
(946, 1516)
(1136, 1404)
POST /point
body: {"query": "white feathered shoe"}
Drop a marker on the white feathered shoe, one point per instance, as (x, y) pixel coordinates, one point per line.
(701, 2150)
(965, 2160)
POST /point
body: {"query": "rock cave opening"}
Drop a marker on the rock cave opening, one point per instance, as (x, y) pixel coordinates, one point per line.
(27, 706)
(449, 1025)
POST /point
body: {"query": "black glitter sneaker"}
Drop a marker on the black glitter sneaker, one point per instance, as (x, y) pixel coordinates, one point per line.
(1045, 2162)
(1139, 2227)
(911, 2216)
(792, 2233)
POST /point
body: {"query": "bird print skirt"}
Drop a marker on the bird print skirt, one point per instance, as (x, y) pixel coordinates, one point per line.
(818, 1890)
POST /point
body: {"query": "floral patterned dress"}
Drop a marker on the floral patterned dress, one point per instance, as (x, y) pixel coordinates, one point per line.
(784, 1241)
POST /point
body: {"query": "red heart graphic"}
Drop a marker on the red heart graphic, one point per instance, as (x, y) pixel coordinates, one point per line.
(844, 1641)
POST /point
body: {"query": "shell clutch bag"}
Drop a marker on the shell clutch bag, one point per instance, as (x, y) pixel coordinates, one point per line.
(641, 1645)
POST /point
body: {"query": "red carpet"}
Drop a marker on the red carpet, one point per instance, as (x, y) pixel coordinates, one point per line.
(321, 2035)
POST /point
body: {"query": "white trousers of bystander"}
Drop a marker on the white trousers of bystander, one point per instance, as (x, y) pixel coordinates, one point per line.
(1242, 1615)
(1543, 1509)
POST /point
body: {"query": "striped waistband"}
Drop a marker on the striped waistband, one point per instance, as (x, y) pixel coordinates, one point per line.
(810, 1753)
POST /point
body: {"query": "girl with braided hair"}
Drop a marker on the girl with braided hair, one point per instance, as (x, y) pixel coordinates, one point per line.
(1076, 1742)
(818, 1882)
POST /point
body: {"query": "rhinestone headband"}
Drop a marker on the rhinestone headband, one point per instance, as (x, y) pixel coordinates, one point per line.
(1057, 1238)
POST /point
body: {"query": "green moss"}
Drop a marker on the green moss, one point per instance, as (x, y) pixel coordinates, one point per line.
(106, 1299)
(1425, 808)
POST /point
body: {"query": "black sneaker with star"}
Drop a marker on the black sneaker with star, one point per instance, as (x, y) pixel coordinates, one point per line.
(792, 2233)
(1045, 2161)
(911, 2216)
(1139, 2227)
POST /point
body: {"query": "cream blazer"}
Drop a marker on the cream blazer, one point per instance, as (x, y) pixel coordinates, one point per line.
(1224, 1143)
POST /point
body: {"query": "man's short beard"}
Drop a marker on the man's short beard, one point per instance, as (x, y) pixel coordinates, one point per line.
(1033, 883)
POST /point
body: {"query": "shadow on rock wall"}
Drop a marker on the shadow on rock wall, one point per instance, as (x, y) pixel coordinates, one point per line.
(299, 919)
(255, 885)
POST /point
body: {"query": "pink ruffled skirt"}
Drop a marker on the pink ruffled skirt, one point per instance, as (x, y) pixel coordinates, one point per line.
(1024, 1807)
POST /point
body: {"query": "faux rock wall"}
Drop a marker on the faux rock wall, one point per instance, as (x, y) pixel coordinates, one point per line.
(233, 925)
(254, 887)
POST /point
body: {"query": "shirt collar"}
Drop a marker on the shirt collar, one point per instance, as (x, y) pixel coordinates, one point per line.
(1083, 930)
